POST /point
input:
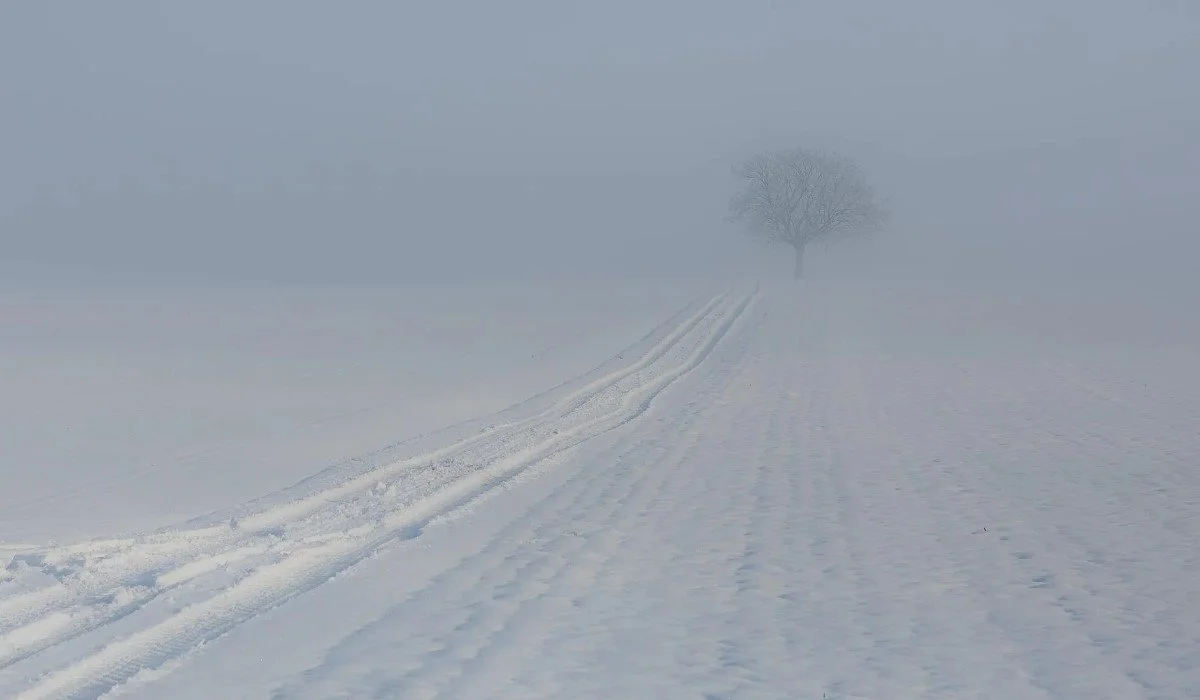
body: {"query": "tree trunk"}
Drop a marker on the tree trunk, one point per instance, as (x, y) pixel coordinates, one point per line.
(799, 260)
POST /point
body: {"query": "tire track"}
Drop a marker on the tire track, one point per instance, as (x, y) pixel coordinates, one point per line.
(100, 582)
(327, 533)
(508, 588)
(649, 477)
(661, 534)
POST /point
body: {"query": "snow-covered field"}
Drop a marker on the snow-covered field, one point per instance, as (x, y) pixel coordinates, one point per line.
(179, 402)
(815, 491)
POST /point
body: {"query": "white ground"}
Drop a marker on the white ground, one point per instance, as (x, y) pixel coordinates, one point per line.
(782, 493)
(185, 402)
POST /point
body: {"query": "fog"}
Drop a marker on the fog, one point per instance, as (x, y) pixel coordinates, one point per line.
(223, 142)
(441, 304)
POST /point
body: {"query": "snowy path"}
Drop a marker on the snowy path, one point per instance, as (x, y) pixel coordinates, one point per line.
(778, 499)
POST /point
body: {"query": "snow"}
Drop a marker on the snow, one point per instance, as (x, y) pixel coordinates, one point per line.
(791, 491)
(186, 401)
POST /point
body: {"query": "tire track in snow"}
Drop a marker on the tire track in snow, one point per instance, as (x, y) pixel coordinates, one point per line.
(468, 636)
(104, 581)
(488, 622)
(451, 601)
(356, 529)
(614, 595)
(528, 630)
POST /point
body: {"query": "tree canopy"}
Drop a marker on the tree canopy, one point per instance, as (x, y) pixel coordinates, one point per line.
(801, 195)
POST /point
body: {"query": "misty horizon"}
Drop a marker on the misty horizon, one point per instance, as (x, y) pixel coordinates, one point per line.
(307, 142)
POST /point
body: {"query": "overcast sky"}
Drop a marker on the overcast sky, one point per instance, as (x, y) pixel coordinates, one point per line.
(319, 141)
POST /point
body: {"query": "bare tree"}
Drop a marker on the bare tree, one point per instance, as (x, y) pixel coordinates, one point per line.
(800, 196)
